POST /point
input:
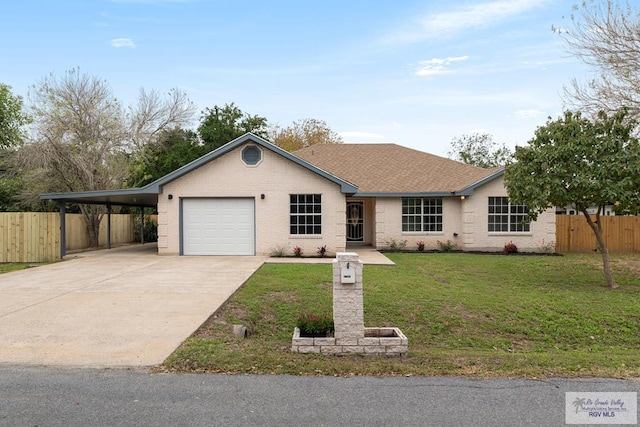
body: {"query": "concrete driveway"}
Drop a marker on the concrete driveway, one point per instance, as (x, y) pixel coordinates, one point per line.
(112, 308)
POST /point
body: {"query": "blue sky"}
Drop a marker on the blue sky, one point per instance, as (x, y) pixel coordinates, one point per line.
(416, 73)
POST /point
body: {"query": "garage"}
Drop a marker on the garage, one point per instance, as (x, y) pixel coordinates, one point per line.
(218, 226)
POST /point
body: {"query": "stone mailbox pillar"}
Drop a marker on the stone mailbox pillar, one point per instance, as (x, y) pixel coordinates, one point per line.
(348, 318)
(348, 315)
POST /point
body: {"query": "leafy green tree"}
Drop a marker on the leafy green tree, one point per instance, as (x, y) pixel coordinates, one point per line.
(303, 133)
(11, 184)
(479, 149)
(169, 151)
(574, 161)
(219, 125)
(12, 118)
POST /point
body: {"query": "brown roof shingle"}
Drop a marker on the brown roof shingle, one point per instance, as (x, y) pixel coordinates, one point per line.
(391, 168)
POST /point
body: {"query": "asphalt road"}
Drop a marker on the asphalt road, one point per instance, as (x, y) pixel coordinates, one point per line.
(88, 397)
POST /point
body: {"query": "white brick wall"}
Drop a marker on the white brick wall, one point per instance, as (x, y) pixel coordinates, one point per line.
(468, 219)
(478, 238)
(276, 178)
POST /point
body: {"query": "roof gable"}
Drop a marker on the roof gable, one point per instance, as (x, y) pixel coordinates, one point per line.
(345, 186)
(148, 195)
(391, 169)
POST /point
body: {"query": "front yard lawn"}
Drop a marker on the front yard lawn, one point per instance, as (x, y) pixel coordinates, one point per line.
(464, 314)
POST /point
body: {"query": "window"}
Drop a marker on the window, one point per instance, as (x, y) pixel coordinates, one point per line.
(507, 217)
(421, 214)
(251, 155)
(305, 213)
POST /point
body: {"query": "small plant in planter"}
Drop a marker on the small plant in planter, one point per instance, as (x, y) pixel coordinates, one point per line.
(420, 245)
(315, 325)
(297, 251)
(322, 251)
(510, 248)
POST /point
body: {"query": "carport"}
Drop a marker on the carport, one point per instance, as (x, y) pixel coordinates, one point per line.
(145, 197)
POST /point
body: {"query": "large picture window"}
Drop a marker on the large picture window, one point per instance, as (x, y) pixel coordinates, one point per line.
(421, 214)
(305, 214)
(507, 217)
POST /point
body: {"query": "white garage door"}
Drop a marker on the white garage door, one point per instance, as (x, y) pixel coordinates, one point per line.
(218, 227)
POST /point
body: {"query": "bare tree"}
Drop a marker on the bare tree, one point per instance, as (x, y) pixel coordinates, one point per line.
(606, 37)
(303, 133)
(153, 114)
(82, 137)
(479, 149)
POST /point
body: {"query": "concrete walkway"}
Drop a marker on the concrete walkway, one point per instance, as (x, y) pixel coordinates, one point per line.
(112, 308)
(367, 254)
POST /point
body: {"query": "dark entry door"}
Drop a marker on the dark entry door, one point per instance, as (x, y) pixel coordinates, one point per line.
(355, 222)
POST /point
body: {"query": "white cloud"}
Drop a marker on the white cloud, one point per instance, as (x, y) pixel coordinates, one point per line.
(479, 15)
(528, 114)
(435, 66)
(122, 42)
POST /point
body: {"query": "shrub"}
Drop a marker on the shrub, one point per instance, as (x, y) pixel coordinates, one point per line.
(150, 230)
(510, 248)
(447, 246)
(297, 251)
(322, 251)
(547, 247)
(279, 251)
(318, 325)
(397, 246)
(420, 245)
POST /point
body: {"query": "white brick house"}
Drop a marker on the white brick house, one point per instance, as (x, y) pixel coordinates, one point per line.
(250, 196)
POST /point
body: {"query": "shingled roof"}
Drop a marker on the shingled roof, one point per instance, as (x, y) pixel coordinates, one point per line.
(391, 168)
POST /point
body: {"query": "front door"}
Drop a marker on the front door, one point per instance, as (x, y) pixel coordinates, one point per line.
(355, 222)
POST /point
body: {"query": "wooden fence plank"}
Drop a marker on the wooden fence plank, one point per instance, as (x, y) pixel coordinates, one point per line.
(35, 236)
(621, 234)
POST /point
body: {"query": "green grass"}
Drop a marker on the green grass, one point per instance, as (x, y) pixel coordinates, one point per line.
(14, 266)
(464, 314)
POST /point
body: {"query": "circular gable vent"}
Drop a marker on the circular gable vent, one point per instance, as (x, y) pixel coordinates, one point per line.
(251, 155)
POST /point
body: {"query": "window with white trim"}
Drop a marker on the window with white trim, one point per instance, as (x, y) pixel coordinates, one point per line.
(421, 214)
(505, 216)
(305, 213)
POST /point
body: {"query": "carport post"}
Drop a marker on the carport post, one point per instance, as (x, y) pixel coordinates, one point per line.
(142, 226)
(108, 226)
(63, 229)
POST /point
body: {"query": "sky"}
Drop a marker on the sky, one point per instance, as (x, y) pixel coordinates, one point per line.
(415, 73)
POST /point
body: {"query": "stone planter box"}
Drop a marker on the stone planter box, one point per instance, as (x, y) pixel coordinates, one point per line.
(376, 342)
(350, 335)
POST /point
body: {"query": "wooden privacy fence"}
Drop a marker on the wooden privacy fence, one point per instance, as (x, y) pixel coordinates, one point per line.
(621, 234)
(35, 236)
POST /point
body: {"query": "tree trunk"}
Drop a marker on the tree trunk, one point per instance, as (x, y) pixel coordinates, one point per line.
(92, 219)
(596, 226)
